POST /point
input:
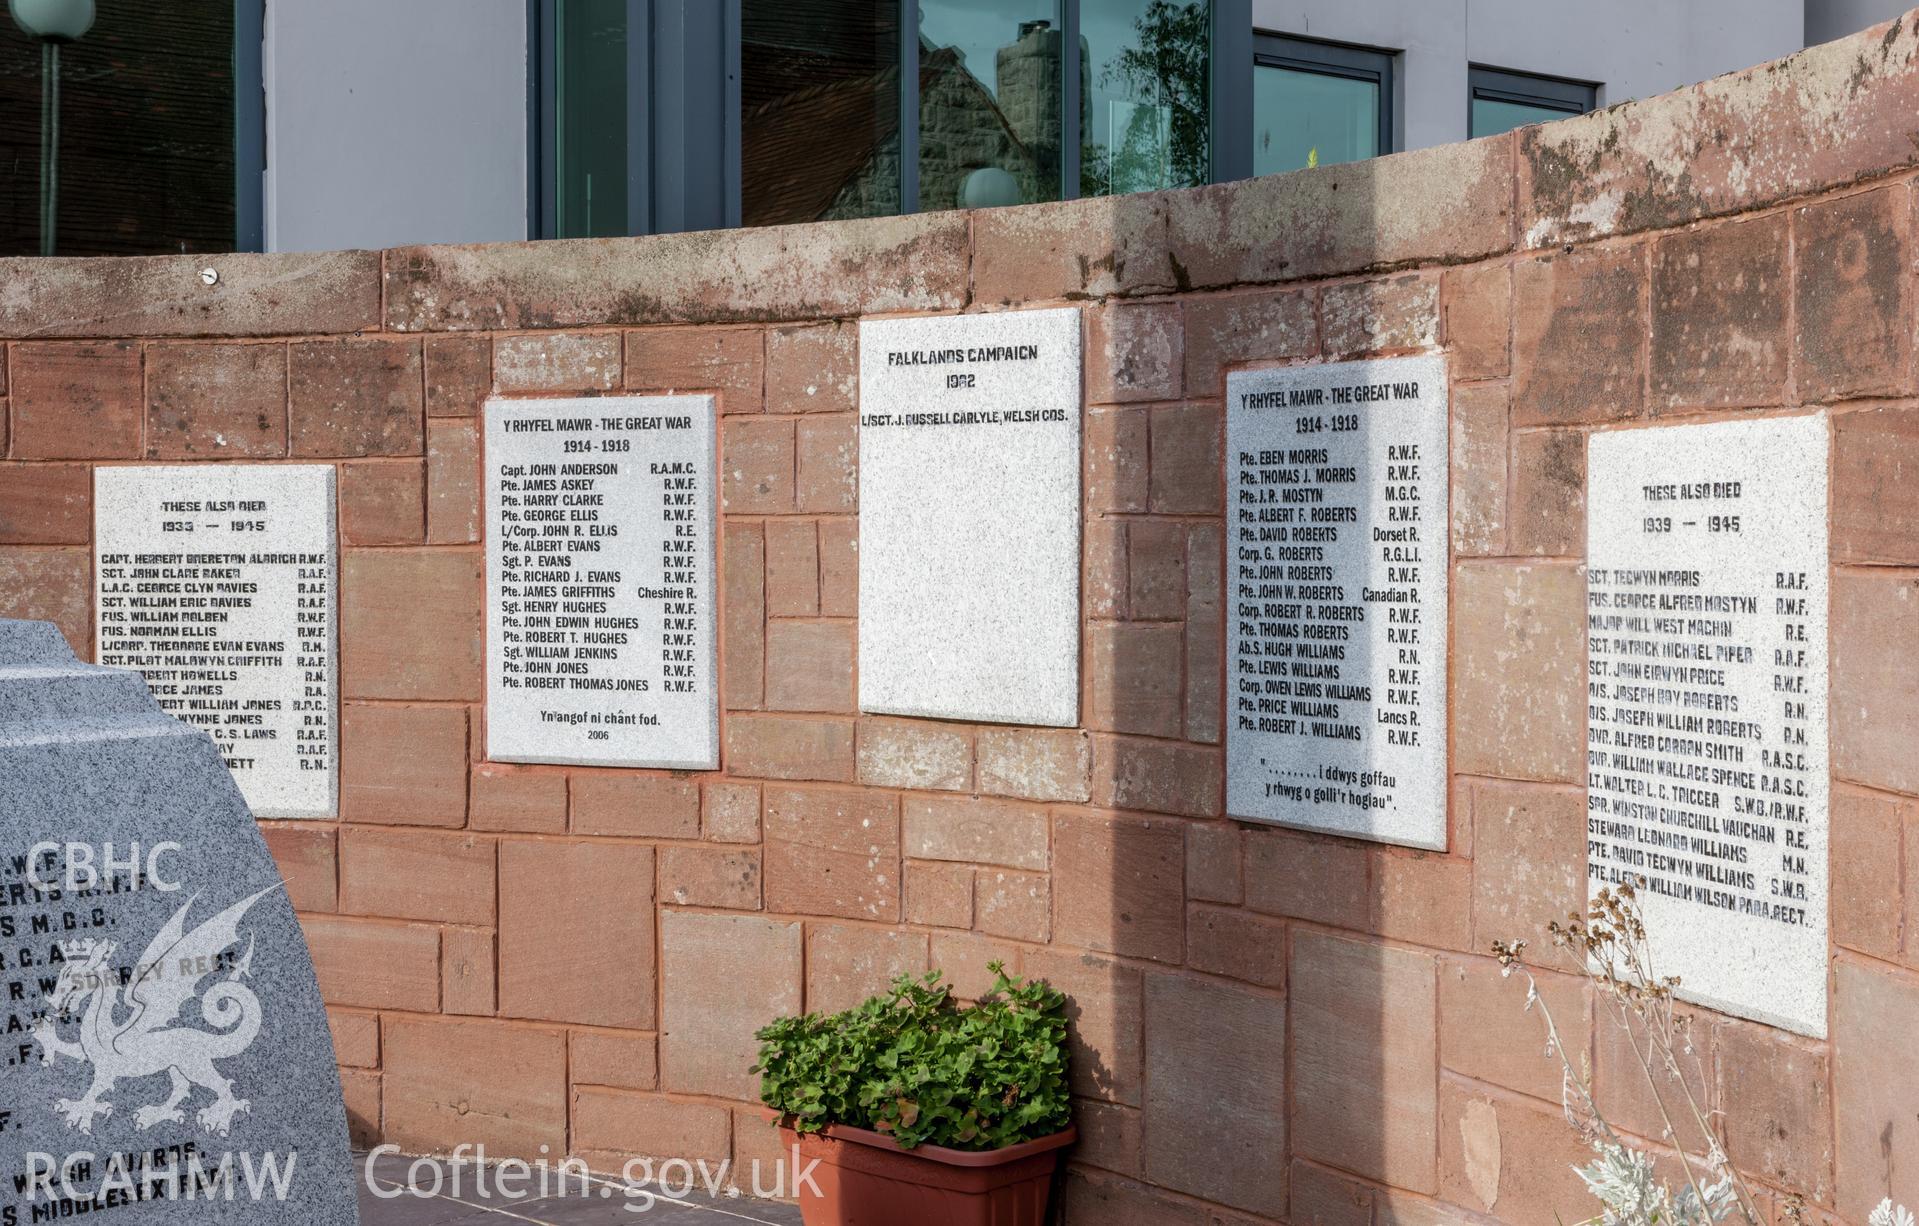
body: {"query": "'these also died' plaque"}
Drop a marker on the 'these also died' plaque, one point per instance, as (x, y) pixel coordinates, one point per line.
(969, 517)
(600, 582)
(1706, 704)
(1336, 624)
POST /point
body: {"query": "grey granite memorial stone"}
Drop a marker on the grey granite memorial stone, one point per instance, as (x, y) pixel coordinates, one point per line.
(601, 625)
(1336, 497)
(167, 1045)
(970, 517)
(1706, 713)
(216, 581)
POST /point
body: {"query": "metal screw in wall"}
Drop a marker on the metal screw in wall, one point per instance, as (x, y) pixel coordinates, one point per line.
(52, 23)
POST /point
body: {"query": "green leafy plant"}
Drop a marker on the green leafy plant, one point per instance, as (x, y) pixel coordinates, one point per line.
(912, 1063)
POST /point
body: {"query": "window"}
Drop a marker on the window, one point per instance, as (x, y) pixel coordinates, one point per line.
(1502, 101)
(589, 139)
(1146, 94)
(1315, 104)
(160, 140)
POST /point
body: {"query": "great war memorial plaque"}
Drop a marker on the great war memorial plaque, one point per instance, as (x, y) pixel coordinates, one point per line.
(600, 556)
(1707, 704)
(168, 1059)
(1336, 505)
(969, 496)
(217, 582)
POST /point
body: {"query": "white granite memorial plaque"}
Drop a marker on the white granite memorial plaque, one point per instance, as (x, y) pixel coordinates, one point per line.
(600, 562)
(1706, 709)
(1336, 623)
(969, 517)
(216, 581)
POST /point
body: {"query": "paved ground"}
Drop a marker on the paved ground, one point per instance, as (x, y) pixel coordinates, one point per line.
(601, 1204)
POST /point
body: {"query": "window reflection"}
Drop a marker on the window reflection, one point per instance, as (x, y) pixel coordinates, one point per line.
(990, 102)
(1146, 120)
(589, 142)
(1311, 119)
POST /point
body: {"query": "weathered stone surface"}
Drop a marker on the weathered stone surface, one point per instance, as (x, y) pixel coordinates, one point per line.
(1072, 249)
(164, 295)
(1877, 1081)
(1120, 885)
(434, 1101)
(1230, 329)
(1579, 337)
(707, 1023)
(1852, 296)
(1519, 670)
(1507, 1156)
(77, 401)
(1875, 507)
(847, 964)
(833, 851)
(1476, 319)
(424, 786)
(557, 362)
(410, 623)
(1720, 301)
(1875, 678)
(216, 401)
(46, 504)
(554, 941)
(1536, 834)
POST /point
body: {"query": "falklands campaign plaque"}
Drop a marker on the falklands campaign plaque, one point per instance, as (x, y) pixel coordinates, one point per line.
(217, 583)
(601, 643)
(970, 517)
(1706, 704)
(1336, 501)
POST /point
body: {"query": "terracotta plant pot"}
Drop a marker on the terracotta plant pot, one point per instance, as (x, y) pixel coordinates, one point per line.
(864, 1179)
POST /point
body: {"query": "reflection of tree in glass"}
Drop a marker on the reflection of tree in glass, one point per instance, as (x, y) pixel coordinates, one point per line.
(1165, 72)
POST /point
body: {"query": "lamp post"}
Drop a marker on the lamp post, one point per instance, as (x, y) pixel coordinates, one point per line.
(51, 22)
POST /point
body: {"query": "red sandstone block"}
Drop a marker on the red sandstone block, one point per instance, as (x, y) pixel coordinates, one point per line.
(1479, 460)
(502, 797)
(373, 964)
(964, 958)
(1875, 1081)
(1237, 944)
(1720, 305)
(467, 979)
(1529, 858)
(1158, 776)
(415, 874)
(730, 361)
(828, 461)
(1519, 669)
(1389, 315)
(792, 568)
(1624, 1093)
(411, 624)
(1423, 897)
(1156, 569)
(707, 1021)
(1012, 904)
(1779, 1118)
(1875, 506)
(356, 397)
(730, 812)
(1135, 677)
(939, 895)
(46, 504)
(453, 482)
(743, 564)
(1323, 1198)
(53, 585)
(1087, 1196)
(1104, 585)
(360, 1095)
(1548, 515)
(6, 420)
(305, 854)
(1853, 322)
(216, 401)
(809, 666)
(383, 502)
(757, 467)
(839, 568)
(1104, 1011)
(975, 830)
(833, 851)
(1512, 1154)
(620, 1125)
(557, 362)
(1476, 318)
(1216, 1127)
(435, 1102)
(425, 785)
(1120, 885)
(554, 942)
(813, 368)
(1487, 1031)
(3, 370)
(634, 805)
(77, 402)
(1579, 337)
(1089, 248)
(164, 295)
(1205, 632)
(624, 1061)
(459, 375)
(915, 753)
(1213, 862)
(1867, 831)
(790, 747)
(1116, 456)
(1308, 876)
(1363, 1052)
(1227, 330)
(724, 877)
(1187, 448)
(847, 964)
(1134, 351)
(1109, 1136)
(356, 1037)
(1875, 678)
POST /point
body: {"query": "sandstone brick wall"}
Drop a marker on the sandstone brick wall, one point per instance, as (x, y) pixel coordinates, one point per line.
(1272, 1026)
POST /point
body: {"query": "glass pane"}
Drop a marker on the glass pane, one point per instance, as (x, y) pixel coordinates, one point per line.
(1491, 116)
(589, 99)
(819, 110)
(990, 118)
(146, 132)
(1311, 119)
(1146, 122)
